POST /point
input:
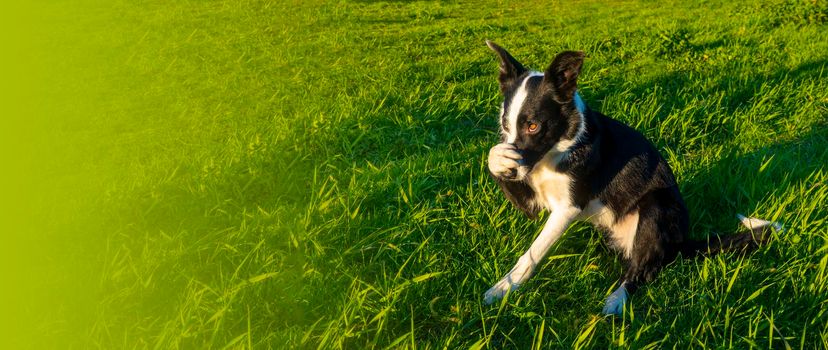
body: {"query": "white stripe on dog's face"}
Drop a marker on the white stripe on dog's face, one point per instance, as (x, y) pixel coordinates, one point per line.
(514, 108)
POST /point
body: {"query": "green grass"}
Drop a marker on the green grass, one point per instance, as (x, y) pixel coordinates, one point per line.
(290, 174)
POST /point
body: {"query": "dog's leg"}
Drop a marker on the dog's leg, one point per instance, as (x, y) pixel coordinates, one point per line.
(639, 273)
(647, 256)
(555, 226)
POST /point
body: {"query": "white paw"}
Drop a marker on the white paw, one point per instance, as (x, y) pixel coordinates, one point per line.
(499, 290)
(614, 305)
(503, 159)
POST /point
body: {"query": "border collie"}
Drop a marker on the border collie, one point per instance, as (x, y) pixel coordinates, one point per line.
(555, 153)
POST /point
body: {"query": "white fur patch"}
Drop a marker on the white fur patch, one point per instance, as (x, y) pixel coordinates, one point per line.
(598, 214)
(515, 106)
(622, 231)
(553, 188)
(500, 120)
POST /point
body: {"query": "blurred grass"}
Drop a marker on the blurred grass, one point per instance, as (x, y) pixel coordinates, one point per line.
(301, 174)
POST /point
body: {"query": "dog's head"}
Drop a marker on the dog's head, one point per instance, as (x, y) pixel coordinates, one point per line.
(539, 112)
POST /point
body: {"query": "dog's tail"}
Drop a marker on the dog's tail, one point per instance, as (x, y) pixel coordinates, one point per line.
(756, 233)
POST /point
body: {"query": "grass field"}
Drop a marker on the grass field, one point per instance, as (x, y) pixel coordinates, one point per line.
(287, 174)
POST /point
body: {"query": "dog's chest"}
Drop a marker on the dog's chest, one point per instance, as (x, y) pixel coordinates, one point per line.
(553, 189)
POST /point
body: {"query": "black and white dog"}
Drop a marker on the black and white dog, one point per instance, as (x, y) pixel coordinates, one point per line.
(559, 155)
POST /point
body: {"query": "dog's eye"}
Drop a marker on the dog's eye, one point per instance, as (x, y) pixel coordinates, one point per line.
(532, 127)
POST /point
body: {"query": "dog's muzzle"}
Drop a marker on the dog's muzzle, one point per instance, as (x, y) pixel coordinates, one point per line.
(523, 168)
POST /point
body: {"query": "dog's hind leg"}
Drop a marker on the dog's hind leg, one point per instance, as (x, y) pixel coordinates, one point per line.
(638, 273)
(555, 226)
(639, 270)
(650, 250)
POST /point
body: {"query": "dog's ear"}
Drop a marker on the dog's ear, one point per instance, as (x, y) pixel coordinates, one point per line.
(562, 74)
(510, 68)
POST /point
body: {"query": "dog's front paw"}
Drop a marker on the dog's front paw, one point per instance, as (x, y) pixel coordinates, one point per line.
(499, 290)
(504, 160)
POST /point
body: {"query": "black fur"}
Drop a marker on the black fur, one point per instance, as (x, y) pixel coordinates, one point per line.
(520, 194)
